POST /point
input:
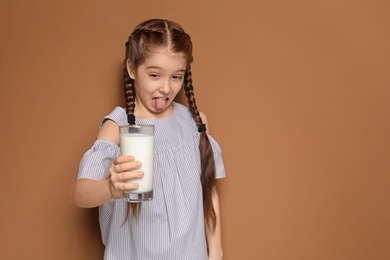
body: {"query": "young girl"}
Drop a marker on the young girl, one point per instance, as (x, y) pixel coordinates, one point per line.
(183, 220)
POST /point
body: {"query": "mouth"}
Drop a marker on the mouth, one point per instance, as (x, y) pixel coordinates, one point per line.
(160, 103)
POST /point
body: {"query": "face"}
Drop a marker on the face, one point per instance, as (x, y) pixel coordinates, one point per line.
(157, 81)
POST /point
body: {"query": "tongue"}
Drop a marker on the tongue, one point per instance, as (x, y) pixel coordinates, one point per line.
(160, 103)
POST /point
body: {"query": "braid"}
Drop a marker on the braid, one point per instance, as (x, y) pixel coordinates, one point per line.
(128, 84)
(189, 91)
(129, 91)
(207, 157)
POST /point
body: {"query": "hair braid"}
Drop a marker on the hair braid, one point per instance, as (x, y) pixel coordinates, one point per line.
(128, 84)
(189, 91)
(129, 90)
(207, 157)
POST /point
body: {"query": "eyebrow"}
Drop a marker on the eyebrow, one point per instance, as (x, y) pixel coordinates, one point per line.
(153, 67)
(156, 67)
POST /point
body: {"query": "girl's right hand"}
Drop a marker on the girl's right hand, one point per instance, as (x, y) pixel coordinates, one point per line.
(120, 173)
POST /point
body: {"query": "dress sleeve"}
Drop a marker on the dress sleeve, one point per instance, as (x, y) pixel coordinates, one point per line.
(118, 115)
(219, 166)
(96, 162)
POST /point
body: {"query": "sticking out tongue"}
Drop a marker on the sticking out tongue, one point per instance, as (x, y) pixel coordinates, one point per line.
(160, 103)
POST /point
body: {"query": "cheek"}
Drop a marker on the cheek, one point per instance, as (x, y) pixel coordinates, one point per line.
(177, 87)
(143, 85)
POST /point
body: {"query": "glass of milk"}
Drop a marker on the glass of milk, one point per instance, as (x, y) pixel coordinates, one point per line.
(138, 141)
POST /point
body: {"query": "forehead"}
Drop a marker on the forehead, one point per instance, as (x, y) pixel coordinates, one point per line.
(165, 59)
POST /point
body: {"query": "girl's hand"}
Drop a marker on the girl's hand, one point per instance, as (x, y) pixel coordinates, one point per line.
(120, 173)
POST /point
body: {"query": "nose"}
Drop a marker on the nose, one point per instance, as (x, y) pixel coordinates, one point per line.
(165, 88)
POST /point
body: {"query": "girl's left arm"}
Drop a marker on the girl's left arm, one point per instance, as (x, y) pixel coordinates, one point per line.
(214, 239)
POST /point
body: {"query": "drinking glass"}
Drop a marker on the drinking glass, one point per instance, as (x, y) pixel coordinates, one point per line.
(138, 141)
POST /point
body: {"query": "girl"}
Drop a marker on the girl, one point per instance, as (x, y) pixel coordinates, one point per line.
(183, 220)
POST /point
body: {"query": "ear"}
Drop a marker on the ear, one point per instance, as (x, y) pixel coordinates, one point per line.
(130, 69)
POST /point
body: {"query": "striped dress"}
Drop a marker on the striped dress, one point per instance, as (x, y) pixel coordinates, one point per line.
(171, 226)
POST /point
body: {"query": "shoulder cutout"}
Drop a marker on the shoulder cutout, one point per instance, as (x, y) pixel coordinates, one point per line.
(109, 131)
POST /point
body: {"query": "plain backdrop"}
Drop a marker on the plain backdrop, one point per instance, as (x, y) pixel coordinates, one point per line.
(296, 92)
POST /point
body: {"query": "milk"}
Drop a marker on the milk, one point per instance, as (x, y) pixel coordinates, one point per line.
(141, 146)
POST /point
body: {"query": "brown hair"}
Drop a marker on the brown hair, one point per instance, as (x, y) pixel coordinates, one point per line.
(146, 37)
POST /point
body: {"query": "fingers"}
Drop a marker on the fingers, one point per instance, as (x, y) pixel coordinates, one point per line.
(117, 188)
(125, 163)
(123, 159)
(124, 186)
(118, 182)
(124, 168)
(126, 176)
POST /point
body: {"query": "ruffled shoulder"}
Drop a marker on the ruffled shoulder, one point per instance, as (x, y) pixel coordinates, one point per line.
(96, 162)
(118, 115)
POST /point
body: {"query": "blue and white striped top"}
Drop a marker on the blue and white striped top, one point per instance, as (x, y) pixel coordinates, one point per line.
(171, 226)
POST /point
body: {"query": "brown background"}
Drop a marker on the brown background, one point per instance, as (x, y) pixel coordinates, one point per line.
(297, 94)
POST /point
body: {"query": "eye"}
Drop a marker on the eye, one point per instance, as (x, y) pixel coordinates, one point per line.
(178, 77)
(153, 75)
